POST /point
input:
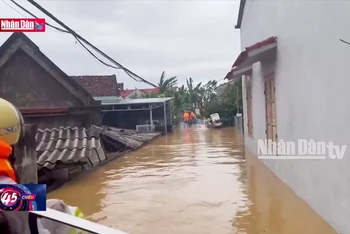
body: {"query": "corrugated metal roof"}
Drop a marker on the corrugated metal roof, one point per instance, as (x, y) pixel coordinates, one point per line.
(117, 101)
(68, 145)
(108, 98)
(127, 92)
(224, 85)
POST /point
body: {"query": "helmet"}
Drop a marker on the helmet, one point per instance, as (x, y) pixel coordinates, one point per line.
(11, 123)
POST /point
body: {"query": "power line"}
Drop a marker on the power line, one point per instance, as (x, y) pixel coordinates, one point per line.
(76, 36)
(21, 12)
(344, 41)
(50, 26)
(12, 8)
(127, 71)
(63, 31)
(92, 54)
(30, 13)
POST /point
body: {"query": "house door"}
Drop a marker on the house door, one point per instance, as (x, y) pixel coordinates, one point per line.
(270, 101)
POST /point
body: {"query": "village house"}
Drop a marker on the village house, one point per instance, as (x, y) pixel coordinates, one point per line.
(220, 89)
(141, 114)
(44, 94)
(295, 86)
(128, 109)
(63, 111)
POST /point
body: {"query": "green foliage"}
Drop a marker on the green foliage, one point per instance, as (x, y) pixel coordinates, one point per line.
(228, 104)
(152, 95)
(200, 96)
(166, 84)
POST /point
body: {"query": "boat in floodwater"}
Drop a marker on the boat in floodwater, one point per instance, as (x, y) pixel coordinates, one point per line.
(190, 118)
(214, 121)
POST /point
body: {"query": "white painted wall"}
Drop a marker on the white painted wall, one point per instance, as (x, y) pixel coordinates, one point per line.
(312, 95)
(137, 92)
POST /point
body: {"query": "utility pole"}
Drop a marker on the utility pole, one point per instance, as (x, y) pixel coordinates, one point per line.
(85, 41)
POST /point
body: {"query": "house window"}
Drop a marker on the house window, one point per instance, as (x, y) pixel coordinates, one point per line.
(270, 101)
(249, 104)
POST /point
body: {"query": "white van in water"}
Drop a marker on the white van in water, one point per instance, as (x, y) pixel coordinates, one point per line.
(215, 121)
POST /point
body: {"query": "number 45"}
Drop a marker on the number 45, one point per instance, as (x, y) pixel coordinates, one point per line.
(9, 198)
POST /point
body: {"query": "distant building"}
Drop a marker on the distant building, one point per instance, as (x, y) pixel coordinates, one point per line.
(100, 85)
(220, 89)
(137, 93)
(296, 86)
(145, 114)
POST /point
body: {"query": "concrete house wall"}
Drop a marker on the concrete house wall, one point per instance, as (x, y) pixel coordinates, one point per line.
(136, 92)
(312, 95)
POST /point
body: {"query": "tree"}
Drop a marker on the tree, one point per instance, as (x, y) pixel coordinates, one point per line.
(229, 104)
(152, 95)
(166, 84)
(202, 96)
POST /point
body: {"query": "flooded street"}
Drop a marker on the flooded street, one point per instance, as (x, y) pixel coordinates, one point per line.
(195, 181)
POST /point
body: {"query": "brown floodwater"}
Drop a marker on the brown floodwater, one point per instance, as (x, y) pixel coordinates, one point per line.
(194, 181)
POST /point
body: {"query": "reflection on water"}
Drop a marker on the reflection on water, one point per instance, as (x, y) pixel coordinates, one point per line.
(196, 180)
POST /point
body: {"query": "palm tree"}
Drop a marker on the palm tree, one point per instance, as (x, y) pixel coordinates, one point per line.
(166, 84)
(193, 92)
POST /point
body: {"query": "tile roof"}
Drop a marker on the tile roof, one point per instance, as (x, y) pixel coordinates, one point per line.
(68, 145)
(105, 85)
(243, 56)
(72, 146)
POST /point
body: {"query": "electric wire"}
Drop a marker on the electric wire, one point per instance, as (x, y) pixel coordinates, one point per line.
(79, 40)
(63, 31)
(127, 71)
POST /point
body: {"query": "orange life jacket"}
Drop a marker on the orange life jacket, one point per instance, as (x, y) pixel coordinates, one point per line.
(6, 168)
(186, 116)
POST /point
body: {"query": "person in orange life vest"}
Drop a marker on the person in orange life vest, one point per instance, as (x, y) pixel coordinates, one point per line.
(186, 116)
(11, 129)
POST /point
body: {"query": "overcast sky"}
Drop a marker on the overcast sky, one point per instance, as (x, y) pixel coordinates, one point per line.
(183, 38)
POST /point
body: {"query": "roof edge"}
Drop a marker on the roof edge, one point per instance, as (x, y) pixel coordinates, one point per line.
(27, 111)
(81, 94)
(135, 101)
(240, 14)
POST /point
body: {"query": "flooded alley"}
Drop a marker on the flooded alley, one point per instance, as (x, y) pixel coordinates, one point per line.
(195, 181)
